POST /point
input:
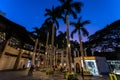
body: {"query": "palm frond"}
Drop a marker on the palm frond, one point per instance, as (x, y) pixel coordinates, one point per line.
(77, 6)
(63, 18)
(85, 32)
(46, 14)
(73, 23)
(86, 22)
(79, 19)
(48, 10)
(73, 32)
(48, 20)
(73, 13)
(57, 24)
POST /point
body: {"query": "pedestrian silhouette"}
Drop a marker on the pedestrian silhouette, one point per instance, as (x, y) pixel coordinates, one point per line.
(30, 72)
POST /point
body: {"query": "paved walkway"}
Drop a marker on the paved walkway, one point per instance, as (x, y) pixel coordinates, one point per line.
(37, 75)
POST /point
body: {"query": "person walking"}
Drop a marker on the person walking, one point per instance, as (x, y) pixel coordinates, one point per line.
(30, 72)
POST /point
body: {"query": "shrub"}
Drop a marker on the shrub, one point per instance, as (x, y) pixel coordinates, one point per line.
(70, 76)
(86, 72)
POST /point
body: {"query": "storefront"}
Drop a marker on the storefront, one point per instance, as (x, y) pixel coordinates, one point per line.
(95, 65)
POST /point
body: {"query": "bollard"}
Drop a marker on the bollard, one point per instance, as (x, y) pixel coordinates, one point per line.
(113, 77)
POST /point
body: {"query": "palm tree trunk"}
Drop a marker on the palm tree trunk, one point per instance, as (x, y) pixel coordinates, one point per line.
(34, 52)
(81, 50)
(52, 52)
(38, 56)
(47, 49)
(68, 43)
(54, 56)
(51, 57)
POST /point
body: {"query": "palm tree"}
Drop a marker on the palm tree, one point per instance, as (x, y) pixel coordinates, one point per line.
(46, 53)
(48, 30)
(40, 35)
(36, 31)
(61, 40)
(61, 43)
(69, 7)
(79, 27)
(52, 18)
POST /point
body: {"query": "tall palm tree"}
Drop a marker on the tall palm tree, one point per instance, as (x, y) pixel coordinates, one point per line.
(47, 27)
(36, 32)
(79, 27)
(52, 18)
(61, 42)
(69, 7)
(39, 35)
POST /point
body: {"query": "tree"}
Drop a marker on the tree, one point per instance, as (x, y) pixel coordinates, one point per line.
(61, 40)
(61, 43)
(39, 34)
(69, 7)
(53, 15)
(79, 27)
(106, 39)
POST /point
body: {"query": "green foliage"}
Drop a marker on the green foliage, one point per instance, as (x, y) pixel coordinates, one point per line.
(108, 35)
(87, 72)
(70, 76)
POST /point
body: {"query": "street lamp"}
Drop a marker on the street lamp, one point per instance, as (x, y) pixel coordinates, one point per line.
(69, 45)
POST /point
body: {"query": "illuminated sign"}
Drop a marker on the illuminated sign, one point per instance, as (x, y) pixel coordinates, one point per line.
(91, 66)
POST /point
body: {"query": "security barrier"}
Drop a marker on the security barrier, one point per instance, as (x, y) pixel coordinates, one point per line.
(114, 77)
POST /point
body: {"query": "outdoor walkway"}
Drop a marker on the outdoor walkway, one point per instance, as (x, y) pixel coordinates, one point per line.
(37, 75)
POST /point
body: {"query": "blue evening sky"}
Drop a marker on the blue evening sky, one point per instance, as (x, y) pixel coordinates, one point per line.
(30, 13)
